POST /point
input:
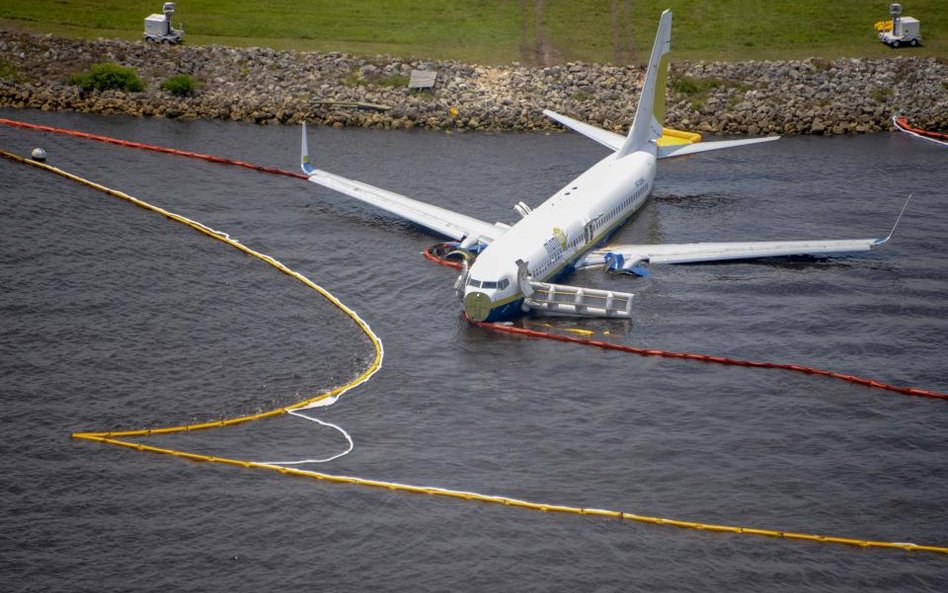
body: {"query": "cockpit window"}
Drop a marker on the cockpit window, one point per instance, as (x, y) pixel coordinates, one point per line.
(499, 285)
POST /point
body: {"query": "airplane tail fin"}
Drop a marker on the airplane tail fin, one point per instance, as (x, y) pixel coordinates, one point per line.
(650, 113)
(647, 132)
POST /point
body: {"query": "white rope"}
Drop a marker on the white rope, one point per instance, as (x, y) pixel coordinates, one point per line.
(323, 403)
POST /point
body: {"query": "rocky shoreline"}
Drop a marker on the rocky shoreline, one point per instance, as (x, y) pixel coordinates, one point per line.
(266, 86)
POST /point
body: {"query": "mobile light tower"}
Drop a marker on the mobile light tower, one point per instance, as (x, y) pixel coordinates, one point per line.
(158, 27)
(905, 29)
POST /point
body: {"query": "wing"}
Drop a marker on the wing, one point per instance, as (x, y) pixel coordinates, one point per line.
(440, 220)
(630, 256)
(627, 257)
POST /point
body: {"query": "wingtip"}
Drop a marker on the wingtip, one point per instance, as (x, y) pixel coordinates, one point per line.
(894, 226)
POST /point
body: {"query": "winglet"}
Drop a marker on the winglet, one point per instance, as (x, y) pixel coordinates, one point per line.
(650, 112)
(304, 155)
(892, 232)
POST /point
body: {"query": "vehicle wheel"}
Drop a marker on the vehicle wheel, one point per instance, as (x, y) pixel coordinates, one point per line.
(895, 43)
(913, 42)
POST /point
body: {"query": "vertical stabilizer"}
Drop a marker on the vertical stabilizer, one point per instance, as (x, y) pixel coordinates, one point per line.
(650, 113)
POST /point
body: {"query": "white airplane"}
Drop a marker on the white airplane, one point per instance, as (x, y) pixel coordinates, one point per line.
(512, 266)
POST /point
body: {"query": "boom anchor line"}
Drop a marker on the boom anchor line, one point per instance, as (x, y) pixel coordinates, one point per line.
(116, 437)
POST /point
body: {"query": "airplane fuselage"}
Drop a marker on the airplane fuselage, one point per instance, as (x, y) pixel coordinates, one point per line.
(554, 235)
(519, 264)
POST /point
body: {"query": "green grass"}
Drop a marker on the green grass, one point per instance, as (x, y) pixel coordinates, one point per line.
(502, 31)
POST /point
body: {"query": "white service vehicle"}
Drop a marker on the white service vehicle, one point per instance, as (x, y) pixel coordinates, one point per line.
(904, 31)
(158, 27)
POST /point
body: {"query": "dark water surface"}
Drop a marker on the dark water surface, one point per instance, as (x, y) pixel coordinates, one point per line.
(113, 317)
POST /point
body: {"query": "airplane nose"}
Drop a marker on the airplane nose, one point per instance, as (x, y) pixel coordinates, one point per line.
(477, 305)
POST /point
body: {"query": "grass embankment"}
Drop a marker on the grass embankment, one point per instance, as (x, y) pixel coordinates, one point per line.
(503, 31)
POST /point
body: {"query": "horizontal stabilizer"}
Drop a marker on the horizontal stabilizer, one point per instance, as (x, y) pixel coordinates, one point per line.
(665, 152)
(672, 142)
(608, 139)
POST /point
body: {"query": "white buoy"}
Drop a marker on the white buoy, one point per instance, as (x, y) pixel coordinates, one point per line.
(38, 154)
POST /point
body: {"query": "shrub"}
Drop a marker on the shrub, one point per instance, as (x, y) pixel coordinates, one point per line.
(880, 95)
(357, 79)
(106, 76)
(181, 85)
(394, 81)
(7, 71)
(695, 86)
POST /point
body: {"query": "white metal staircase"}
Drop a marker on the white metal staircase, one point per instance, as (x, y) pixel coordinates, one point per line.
(574, 301)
